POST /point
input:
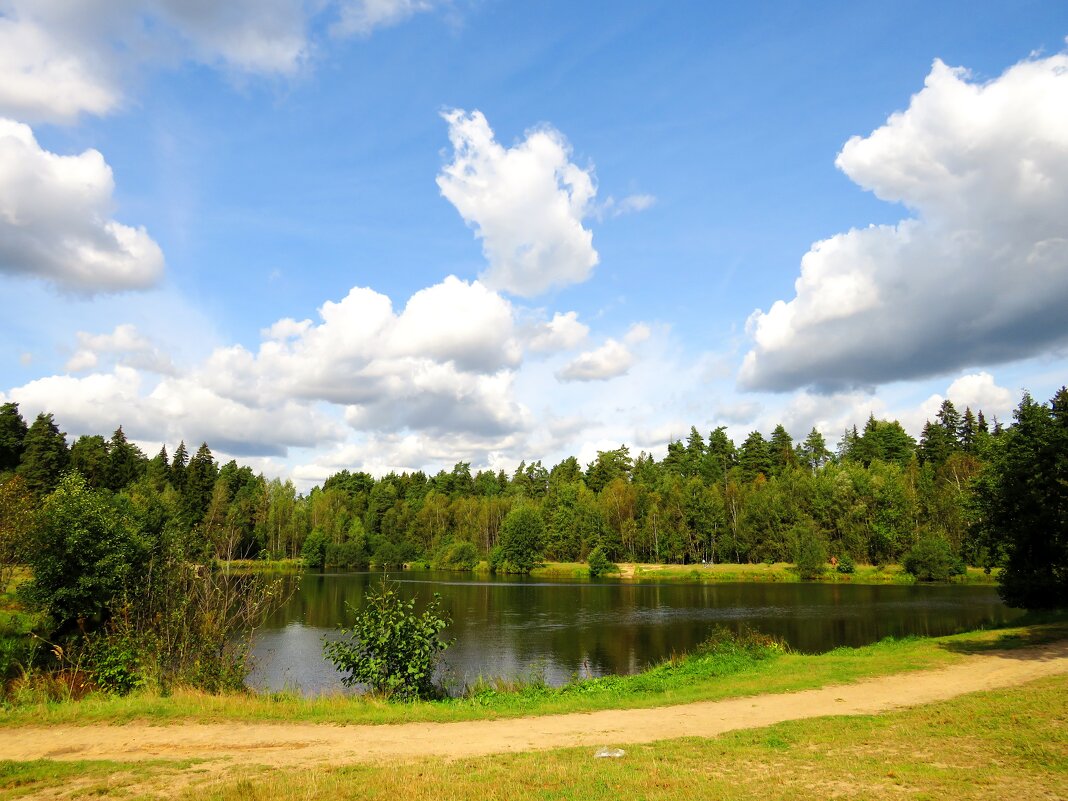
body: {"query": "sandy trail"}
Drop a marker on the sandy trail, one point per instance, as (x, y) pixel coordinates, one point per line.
(285, 744)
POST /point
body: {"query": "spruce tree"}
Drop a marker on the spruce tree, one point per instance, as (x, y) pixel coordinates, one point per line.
(754, 457)
(45, 455)
(1025, 504)
(12, 435)
(814, 451)
(179, 464)
(89, 456)
(199, 485)
(781, 447)
(125, 462)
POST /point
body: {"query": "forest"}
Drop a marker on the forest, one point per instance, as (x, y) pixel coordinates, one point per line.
(871, 499)
(103, 527)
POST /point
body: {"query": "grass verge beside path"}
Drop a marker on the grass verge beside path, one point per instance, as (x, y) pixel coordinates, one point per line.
(722, 672)
(983, 746)
(990, 745)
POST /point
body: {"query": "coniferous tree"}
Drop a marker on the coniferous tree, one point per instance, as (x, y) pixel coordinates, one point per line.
(200, 484)
(13, 431)
(125, 462)
(89, 456)
(45, 455)
(720, 456)
(695, 452)
(847, 445)
(754, 457)
(814, 453)
(1025, 505)
(158, 469)
(968, 430)
(781, 448)
(179, 464)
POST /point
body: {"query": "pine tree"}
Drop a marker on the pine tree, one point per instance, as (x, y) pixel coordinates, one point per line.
(720, 457)
(1025, 504)
(814, 451)
(125, 462)
(12, 435)
(158, 469)
(89, 456)
(754, 457)
(695, 452)
(200, 483)
(969, 429)
(179, 465)
(45, 455)
(781, 448)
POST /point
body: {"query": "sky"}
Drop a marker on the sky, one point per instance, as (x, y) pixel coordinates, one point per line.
(397, 234)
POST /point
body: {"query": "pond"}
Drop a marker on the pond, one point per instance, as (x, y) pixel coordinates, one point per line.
(510, 627)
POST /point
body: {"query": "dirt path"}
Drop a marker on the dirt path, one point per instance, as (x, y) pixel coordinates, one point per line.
(283, 744)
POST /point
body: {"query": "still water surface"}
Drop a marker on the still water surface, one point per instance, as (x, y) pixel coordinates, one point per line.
(508, 627)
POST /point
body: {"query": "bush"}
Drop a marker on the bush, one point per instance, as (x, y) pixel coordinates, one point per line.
(811, 557)
(390, 648)
(82, 552)
(846, 565)
(387, 555)
(350, 553)
(460, 555)
(313, 551)
(599, 563)
(522, 535)
(933, 559)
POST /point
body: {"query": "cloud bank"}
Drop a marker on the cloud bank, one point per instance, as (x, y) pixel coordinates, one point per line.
(55, 220)
(978, 276)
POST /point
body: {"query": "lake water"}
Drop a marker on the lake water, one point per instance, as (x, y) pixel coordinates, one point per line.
(509, 627)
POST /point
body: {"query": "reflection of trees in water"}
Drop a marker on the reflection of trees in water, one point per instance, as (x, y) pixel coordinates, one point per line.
(506, 626)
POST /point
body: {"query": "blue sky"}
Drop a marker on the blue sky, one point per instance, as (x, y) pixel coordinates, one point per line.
(648, 176)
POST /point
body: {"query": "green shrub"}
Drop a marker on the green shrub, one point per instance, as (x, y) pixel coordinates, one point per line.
(846, 565)
(313, 552)
(933, 559)
(811, 557)
(350, 553)
(387, 555)
(459, 555)
(599, 563)
(390, 648)
(520, 546)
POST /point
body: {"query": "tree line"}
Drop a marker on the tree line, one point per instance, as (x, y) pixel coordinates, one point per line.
(873, 498)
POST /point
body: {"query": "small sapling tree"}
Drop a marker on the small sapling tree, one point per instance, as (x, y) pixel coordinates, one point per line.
(390, 648)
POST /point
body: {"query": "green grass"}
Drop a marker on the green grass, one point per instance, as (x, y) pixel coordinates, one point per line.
(983, 746)
(86, 779)
(784, 572)
(1007, 743)
(722, 673)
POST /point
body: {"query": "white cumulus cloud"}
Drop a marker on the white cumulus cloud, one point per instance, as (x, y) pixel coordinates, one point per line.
(55, 220)
(612, 359)
(979, 275)
(126, 345)
(562, 332)
(526, 203)
(443, 363)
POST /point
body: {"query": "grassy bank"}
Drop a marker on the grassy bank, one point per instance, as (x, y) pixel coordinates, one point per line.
(980, 746)
(725, 670)
(779, 572)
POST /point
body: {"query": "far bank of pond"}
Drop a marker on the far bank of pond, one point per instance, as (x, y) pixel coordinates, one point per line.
(556, 629)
